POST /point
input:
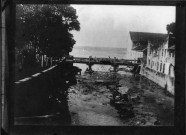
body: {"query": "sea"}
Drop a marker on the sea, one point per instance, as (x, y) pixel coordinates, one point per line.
(98, 52)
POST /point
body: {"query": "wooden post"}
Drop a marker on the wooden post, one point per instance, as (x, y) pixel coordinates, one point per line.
(51, 61)
(89, 67)
(114, 60)
(41, 60)
(46, 61)
(115, 65)
(90, 57)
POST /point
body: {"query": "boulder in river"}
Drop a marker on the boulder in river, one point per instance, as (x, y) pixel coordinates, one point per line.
(157, 122)
(111, 87)
(123, 90)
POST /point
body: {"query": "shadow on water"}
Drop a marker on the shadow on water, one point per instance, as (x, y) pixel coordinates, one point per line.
(59, 100)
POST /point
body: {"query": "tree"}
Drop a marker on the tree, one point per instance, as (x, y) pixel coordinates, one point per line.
(171, 28)
(171, 31)
(47, 28)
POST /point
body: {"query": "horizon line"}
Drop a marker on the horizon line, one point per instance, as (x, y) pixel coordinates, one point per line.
(100, 46)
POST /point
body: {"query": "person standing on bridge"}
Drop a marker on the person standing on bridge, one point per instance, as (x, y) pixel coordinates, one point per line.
(109, 59)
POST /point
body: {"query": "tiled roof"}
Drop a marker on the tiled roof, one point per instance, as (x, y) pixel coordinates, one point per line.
(139, 48)
(154, 38)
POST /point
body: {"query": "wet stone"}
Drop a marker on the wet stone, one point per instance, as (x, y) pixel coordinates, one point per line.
(111, 87)
(123, 90)
(143, 121)
(99, 81)
(137, 123)
(157, 122)
(126, 95)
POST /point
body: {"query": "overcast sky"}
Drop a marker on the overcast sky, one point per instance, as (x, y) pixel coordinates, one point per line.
(109, 25)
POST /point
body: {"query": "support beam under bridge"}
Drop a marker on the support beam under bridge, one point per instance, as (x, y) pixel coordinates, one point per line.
(103, 61)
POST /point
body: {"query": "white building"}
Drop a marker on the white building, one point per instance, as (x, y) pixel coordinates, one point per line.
(158, 52)
(161, 63)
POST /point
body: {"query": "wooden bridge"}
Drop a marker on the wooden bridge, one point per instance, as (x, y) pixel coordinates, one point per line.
(103, 61)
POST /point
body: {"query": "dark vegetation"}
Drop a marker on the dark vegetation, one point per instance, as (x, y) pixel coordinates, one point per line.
(171, 28)
(44, 30)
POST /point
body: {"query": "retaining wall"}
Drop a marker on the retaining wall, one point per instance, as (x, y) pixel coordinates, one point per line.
(161, 79)
(31, 95)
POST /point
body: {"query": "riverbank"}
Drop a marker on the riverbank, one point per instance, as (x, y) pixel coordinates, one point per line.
(90, 101)
(165, 81)
(102, 98)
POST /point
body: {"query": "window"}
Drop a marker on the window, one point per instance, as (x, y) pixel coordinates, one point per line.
(163, 68)
(169, 69)
(157, 66)
(151, 64)
(172, 54)
(160, 67)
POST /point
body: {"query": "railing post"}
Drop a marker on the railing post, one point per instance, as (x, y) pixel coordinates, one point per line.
(115, 65)
(89, 64)
(51, 61)
(114, 60)
(90, 57)
(90, 67)
(42, 61)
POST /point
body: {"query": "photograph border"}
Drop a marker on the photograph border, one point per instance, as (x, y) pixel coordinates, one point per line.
(179, 110)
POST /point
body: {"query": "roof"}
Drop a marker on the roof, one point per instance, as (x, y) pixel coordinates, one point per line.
(154, 38)
(140, 48)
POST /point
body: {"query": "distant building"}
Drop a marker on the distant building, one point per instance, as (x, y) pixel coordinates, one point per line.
(158, 53)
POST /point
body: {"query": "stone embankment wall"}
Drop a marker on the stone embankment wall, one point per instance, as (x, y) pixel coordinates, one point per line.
(31, 95)
(161, 79)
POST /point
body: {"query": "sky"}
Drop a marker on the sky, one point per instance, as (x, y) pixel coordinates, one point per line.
(109, 25)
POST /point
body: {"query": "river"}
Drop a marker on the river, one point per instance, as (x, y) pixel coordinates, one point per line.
(90, 101)
(93, 99)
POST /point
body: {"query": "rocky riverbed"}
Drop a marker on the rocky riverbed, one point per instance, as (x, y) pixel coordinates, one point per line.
(119, 99)
(105, 98)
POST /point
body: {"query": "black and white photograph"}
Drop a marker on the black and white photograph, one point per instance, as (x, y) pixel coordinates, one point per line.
(94, 65)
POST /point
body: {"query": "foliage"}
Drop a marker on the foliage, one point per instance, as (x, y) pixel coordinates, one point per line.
(47, 28)
(171, 28)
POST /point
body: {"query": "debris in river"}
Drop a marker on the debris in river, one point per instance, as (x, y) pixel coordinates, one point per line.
(137, 123)
(97, 89)
(122, 102)
(99, 81)
(111, 87)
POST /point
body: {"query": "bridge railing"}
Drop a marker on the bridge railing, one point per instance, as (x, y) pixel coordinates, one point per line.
(100, 60)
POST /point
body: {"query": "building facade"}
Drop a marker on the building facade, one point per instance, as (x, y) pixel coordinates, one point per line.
(158, 57)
